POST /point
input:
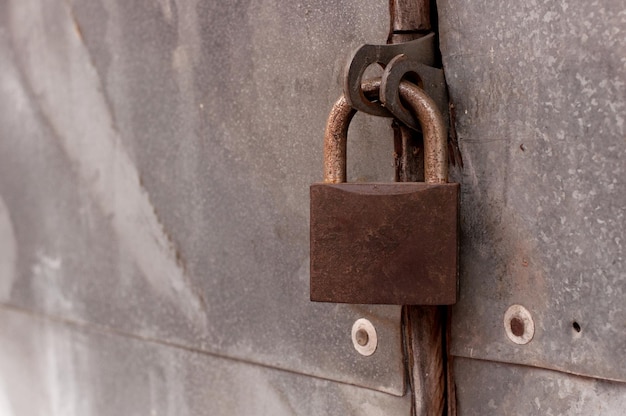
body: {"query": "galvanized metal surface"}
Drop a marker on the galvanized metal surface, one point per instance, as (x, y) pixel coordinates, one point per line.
(154, 169)
(58, 369)
(487, 388)
(96, 98)
(540, 95)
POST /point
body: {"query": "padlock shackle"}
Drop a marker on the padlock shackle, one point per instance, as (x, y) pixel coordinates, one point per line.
(430, 119)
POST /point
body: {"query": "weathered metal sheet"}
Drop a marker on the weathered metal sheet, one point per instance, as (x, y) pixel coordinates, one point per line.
(56, 369)
(487, 388)
(155, 159)
(540, 94)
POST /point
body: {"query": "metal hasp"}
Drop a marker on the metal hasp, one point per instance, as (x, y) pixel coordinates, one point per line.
(385, 243)
(415, 58)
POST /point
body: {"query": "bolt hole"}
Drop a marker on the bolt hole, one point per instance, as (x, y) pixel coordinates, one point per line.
(362, 338)
(373, 70)
(517, 327)
(414, 78)
(576, 326)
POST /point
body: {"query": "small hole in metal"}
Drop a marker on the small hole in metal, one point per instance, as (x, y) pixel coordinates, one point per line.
(374, 70)
(517, 327)
(414, 78)
(576, 326)
(361, 337)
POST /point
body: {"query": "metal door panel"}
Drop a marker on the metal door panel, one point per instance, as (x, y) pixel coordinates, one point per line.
(509, 390)
(155, 165)
(55, 368)
(540, 96)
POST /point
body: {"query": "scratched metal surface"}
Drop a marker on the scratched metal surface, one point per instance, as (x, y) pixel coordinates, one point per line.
(540, 95)
(77, 370)
(512, 390)
(155, 158)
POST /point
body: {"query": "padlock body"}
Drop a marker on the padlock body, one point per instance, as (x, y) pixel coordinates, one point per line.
(384, 243)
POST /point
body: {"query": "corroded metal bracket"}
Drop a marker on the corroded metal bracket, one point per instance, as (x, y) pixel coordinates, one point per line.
(414, 58)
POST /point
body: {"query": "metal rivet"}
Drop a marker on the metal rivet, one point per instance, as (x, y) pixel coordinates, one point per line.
(364, 337)
(519, 325)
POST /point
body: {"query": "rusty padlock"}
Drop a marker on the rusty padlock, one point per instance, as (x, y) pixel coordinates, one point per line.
(385, 243)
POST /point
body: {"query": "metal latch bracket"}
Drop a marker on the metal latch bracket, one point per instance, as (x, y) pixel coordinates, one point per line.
(416, 57)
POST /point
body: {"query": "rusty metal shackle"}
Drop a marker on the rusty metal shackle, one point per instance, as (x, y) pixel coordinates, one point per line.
(430, 119)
